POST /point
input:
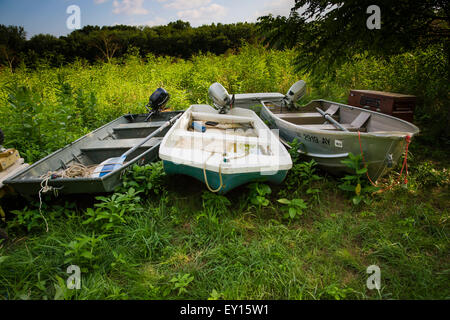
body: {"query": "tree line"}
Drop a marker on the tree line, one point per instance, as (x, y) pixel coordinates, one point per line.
(92, 43)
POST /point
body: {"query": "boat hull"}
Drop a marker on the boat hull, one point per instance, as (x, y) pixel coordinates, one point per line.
(110, 140)
(328, 148)
(230, 181)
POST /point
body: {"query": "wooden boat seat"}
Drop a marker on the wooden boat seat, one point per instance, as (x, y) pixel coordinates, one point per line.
(118, 144)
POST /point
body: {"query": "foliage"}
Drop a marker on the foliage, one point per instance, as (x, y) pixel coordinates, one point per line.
(425, 175)
(258, 193)
(81, 251)
(323, 255)
(328, 32)
(111, 213)
(148, 179)
(295, 146)
(294, 208)
(92, 43)
(215, 201)
(356, 185)
(302, 177)
(180, 282)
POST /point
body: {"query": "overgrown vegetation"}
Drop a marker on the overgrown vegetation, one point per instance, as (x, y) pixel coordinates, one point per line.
(154, 238)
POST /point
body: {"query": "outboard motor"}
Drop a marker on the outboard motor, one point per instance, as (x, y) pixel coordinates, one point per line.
(157, 102)
(295, 92)
(222, 101)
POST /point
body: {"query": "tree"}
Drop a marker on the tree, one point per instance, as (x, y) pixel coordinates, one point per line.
(327, 33)
(107, 43)
(12, 40)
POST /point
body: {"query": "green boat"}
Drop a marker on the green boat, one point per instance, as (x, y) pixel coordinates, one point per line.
(108, 141)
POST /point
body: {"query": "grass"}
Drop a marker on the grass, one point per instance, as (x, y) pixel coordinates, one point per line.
(238, 250)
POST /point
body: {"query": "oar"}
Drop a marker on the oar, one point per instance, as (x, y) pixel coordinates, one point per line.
(334, 122)
(111, 164)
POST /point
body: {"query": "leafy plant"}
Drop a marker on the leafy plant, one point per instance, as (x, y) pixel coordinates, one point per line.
(180, 282)
(294, 208)
(81, 250)
(294, 150)
(215, 295)
(148, 179)
(425, 175)
(110, 214)
(303, 177)
(29, 218)
(215, 201)
(356, 185)
(258, 193)
(337, 293)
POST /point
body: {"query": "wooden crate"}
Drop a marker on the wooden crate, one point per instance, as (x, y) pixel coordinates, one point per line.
(8, 158)
(395, 104)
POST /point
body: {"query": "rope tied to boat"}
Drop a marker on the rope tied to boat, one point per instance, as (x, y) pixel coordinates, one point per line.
(76, 170)
(404, 166)
(220, 175)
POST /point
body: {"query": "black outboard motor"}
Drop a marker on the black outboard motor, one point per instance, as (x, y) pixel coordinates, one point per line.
(157, 102)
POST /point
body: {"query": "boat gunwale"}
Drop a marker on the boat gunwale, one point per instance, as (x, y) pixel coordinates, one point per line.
(396, 135)
(225, 169)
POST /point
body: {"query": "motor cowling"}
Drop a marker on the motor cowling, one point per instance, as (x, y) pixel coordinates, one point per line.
(295, 92)
(220, 97)
(158, 99)
(157, 102)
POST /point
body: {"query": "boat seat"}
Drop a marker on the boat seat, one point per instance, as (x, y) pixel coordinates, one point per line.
(332, 109)
(138, 125)
(360, 120)
(119, 144)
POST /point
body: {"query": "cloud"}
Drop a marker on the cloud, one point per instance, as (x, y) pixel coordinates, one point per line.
(158, 21)
(99, 1)
(277, 8)
(129, 7)
(206, 14)
(186, 4)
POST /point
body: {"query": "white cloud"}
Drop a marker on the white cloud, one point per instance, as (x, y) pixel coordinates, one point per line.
(99, 1)
(158, 21)
(277, 8)
(206, 14)
(129, 7)
(186, 4)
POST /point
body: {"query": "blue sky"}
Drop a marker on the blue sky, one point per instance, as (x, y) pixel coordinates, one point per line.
(49, 16)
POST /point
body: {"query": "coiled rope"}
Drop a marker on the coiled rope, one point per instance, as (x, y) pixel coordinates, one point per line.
(76, 170)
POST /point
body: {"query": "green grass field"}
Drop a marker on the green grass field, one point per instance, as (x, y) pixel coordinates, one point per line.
(162, 237)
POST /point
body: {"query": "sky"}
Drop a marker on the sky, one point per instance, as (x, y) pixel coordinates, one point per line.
(49, 16)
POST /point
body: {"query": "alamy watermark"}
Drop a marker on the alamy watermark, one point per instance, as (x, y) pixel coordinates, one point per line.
(74, 280)
(73, 22)
(374, 20)
(374, 280)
